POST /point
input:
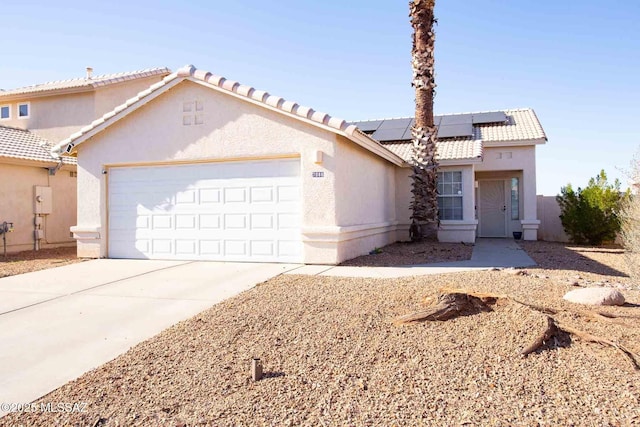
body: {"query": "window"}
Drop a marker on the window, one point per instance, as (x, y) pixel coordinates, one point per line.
(515, 198)
(23, 110)
(5, 112)
(450, 195)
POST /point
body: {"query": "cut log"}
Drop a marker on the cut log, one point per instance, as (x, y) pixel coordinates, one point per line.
(550, 331)
(451, 303)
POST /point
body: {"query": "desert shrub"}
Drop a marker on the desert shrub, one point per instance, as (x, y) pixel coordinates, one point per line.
(630, 221)
(591, 215)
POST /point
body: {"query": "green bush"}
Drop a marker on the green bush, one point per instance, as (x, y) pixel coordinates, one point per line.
(591, 215)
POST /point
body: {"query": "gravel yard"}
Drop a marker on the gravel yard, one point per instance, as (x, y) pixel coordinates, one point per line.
(333, 357)
(26, 261)
(407, 253)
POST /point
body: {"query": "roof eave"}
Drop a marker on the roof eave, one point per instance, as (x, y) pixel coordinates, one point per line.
(45, 93)
(515, 143)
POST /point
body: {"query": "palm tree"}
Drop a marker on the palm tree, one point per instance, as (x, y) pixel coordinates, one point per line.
(424, 205)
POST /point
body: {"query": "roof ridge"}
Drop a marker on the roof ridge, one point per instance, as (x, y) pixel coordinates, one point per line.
(190, 72)
(89, 80)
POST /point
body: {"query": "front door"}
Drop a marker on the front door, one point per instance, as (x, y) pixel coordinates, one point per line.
(492, 212)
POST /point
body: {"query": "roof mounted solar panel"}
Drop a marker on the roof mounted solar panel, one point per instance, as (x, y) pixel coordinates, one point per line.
(456, 119)
(407, 133)
(492, 117)
(369, 125)
(453, 131)
(395, 124)
(388, 134)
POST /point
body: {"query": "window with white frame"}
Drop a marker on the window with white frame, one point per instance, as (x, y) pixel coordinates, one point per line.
(515, 198)
(5, 112)
(450, 195)
(23, 110)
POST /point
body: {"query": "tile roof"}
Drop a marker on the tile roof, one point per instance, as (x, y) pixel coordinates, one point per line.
(21, 144)
(83, 82)
(189, 72)
(521, 125)
(462, 149)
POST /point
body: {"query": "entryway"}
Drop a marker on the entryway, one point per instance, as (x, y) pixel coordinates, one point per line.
(492, 208)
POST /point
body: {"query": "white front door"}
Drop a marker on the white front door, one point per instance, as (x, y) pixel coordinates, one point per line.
(492, 212)
(232, 211)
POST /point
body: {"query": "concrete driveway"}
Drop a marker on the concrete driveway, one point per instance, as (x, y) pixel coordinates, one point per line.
(59, 323)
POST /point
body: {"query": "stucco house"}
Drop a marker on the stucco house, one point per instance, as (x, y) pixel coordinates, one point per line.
(37, 189)
(200, 167)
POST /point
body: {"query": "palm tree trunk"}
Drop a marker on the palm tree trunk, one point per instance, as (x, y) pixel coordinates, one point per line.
(424, 205)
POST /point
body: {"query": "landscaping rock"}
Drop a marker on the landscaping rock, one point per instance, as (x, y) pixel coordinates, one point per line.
(595, 296)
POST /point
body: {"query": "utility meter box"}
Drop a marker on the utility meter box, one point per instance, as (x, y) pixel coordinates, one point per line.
(42, 200)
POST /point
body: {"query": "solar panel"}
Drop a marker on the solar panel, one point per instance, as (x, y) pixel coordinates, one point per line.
(456, 119)
(407, 133)
(369, 125)
(492, 117)
(457, 130)
(388, 134)
(395, 124)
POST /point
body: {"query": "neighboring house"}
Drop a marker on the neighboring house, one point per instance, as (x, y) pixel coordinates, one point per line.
(199, 167)
(38, 190)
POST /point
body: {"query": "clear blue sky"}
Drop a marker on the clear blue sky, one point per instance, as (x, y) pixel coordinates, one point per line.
(576, 63)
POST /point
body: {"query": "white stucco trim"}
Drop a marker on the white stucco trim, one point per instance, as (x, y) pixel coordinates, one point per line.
(338, 234)
(456, 231)
(530, 229)
(515, 143)
(459, 162)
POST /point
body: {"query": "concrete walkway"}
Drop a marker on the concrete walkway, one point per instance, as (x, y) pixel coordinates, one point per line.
(59, 323)
(487, 254)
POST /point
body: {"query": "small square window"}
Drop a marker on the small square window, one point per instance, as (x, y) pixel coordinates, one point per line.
(23, 110)
(5, 112)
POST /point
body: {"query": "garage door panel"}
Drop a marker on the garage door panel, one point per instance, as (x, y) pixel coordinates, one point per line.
(262, 195)
(248, 211)
(186, 221)
(262, 221)
(209, 221)
(161, 246)
(210, 247)
(288, 193)
(209, 195)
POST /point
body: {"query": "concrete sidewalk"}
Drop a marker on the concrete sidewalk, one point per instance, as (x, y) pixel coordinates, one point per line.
(59, 323)
(487, 254)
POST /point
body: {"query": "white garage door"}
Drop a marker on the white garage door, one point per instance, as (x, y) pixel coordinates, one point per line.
(233, 211)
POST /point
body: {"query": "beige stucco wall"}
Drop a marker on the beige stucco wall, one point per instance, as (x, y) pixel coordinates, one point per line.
(55, 117)
(232, 129)
(109, 97)
(366, 200)
(403, 202)
(551, 228)
(17, 205)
